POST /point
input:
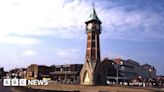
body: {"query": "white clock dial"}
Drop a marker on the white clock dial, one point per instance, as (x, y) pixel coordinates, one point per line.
(89, 26)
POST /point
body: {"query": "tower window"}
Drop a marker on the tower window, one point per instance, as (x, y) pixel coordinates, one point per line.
(98, 43)
(93, 52)
(93, 44)
(93, 36)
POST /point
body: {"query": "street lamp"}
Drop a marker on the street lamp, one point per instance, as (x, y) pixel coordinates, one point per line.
(117, 74)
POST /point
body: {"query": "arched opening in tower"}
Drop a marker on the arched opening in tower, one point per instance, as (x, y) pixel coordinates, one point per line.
(86, 79)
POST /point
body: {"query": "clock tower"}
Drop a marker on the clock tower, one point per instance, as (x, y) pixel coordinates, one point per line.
(89, 74)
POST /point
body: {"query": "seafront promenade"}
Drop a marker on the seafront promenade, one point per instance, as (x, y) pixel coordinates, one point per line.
(78, 88)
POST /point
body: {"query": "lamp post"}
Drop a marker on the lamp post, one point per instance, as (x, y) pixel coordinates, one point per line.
(117, 74)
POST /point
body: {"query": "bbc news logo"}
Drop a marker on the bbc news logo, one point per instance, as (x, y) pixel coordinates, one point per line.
(23, 82)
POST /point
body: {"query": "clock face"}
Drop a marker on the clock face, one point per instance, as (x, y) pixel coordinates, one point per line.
(93, 26)
(97, 26)
(89, 26)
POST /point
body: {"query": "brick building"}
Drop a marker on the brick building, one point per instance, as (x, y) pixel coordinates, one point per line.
(131, 69)
(128, 68)
(35, 71)
(148, 71)
(68, 73)
(17, 73)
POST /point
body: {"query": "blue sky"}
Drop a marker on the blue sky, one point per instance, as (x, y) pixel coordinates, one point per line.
(53, 31)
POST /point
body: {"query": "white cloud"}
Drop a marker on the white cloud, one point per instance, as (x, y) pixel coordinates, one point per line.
(19, 40)
(65, 20)
(29, 53)
(66, 52)
(68, 56)
(136, 25)
(113, 55)
(28, 17)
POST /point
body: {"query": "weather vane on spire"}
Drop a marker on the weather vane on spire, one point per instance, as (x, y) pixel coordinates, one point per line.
(93, 15)
(93, 4)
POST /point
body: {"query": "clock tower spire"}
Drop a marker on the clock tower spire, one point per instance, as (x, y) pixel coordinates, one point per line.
(89, 73)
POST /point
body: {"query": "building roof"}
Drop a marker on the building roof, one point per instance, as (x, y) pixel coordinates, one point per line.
(64, 73)
(148, 66)
(93, 16)
(107, 61)
(67, 65)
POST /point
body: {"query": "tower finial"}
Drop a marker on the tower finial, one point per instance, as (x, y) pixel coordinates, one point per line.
(93, 4)
(93, 15)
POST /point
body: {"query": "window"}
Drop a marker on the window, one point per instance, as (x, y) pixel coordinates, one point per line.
(93, 36)
(93, 44)
(93, 53)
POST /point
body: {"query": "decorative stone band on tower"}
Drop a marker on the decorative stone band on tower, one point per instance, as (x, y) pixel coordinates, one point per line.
(90, 72)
